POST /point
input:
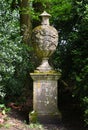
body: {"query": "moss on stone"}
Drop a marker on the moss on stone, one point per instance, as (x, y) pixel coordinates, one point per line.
(33, 117)
(50, 72)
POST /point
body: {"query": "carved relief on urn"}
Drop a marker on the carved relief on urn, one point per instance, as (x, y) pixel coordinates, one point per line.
(45, 41)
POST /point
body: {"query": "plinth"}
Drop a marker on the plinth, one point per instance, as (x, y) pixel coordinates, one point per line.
(45, 93)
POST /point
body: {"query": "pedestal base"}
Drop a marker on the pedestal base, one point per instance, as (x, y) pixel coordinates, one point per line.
(45, 93)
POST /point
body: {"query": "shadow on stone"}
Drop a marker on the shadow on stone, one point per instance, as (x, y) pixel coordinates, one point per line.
(46, 119)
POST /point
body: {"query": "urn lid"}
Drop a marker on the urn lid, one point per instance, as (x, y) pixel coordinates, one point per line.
(45, 14)
(45, 18)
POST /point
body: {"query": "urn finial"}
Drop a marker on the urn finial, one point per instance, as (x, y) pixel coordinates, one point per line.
(45, 18)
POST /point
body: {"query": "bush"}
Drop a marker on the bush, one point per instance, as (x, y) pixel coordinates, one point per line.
(15, 60)
(14, 67)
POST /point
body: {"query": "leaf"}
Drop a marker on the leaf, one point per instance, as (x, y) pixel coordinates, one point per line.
(3, 112)
(78, 79)
(2, 105)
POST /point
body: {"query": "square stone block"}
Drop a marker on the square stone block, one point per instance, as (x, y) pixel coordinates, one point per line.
(45, 93)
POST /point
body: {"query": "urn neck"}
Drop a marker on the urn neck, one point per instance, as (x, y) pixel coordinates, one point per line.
(44, 67)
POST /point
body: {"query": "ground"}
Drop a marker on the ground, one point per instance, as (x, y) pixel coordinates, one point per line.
(17, 119)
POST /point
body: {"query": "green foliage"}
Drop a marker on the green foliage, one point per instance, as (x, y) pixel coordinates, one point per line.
(62, 11)
(15, 60)
(80, 58)
(72, 54)
(36, 126)
(85, 104)
(33, 116)
(4, 109)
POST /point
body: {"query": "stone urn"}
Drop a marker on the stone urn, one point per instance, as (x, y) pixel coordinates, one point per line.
(45, 41)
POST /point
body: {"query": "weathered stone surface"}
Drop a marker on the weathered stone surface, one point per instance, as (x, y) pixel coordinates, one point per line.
(45, 40)
(45, 93)
(44, 66)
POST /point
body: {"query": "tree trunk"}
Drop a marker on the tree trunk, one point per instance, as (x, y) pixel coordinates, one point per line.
(25, 20)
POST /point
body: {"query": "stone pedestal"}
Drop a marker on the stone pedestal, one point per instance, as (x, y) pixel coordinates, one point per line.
(45, 93)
